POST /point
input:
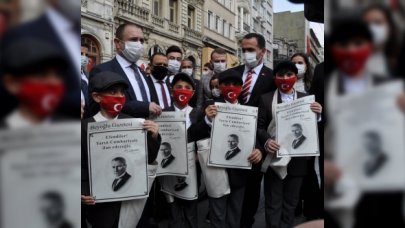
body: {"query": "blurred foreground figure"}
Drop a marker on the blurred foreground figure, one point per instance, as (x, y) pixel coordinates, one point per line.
(361, 191)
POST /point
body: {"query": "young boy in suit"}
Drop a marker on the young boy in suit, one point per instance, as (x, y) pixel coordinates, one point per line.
(226, 211)
(281, 190)
(107, 90)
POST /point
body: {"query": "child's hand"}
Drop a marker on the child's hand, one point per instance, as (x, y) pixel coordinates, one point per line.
(88, 200)
(316, 107)
(211, 112)
(255, 157)
(151, 127)
(272, 146)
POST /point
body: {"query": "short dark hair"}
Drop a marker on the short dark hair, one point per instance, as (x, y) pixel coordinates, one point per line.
(166, 144)
(214, 77)
(219, 51)
(53, 196)
(173, 48)
(119, 32)
(120, 159)
(261, 42)
(297, 125)
(155, 54)
(85, 45)
(234, 136)
(187, 59)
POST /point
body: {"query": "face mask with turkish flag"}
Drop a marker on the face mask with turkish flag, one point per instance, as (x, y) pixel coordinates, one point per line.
(285, 84)
(182, 96)
(230, 93)
(112, 104)
(41, 98)
(351, 62)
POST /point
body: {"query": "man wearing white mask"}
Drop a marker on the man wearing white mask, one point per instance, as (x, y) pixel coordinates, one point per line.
(175, 55)
(187, 67)
(129, 41)
(257, 80)
(218, 60)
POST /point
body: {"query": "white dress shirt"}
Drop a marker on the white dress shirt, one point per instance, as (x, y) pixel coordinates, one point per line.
(355, 85)
(129, 72)
(158, 89)
(187, 110)
(99, 117)
(66, 33)
(255, 75)
(16, 120)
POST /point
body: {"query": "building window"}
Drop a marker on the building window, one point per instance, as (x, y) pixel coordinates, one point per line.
(156, 7)
(229, 30)
(223, 27)
(209, 22)
(190, 17)
(173, 11)
(217, 20)
(268, 56)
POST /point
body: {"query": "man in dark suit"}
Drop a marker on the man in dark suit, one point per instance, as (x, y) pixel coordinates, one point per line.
(257, 80)
(59, 26)
(129, 41)
(299, 137)
(119, 166)
(233, 141)
(166, 148)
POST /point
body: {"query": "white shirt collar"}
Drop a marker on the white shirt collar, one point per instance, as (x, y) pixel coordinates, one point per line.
(237, 102)
(16, 120)
(158, 81)
(181, 110)
(287, 97)
(99, 117)
(122, 61)
(257, 69)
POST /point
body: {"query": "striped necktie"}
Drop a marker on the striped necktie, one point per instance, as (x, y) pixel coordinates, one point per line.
(246, 87)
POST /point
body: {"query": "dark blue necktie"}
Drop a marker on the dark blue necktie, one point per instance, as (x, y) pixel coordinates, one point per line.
(140, 83)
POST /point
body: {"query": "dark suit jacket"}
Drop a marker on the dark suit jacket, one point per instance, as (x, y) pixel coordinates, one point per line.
(232, 153)
(297, 165)
(122, 181)
(167, 161)
(41, 29)
(132, 106)
(107, 213)
(152, 89)
(299, 142)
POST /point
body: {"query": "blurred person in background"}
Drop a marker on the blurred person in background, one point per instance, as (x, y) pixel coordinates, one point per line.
(4, 19)
(59, 26)
(304, 75)
(384, 57)
(187, 67)
(175, 55)
(34, 80)
(84, 82)
(204, 92)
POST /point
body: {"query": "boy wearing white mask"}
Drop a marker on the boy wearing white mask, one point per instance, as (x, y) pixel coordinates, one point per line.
(129, 42)
(175, 55)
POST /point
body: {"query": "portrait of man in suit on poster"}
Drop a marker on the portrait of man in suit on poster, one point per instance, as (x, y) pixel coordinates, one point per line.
(376, 157)
(233, 149)
(181, 184)
(299, 138)
(119, 166)
(52, 207)
(168, 157)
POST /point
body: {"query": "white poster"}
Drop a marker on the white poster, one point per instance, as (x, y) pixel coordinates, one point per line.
(370, 138)
(296, 128)
(180, 186)
(117, 152)
(172, 157)
(40, 176)
(233, 136)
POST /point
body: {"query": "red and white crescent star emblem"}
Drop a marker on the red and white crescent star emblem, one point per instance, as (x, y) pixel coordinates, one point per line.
(284, 86)
(231, 95)
(182, 98)
(47, 102)
(117, 107)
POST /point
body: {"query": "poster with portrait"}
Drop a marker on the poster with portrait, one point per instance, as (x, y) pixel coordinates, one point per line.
(296, 128)
(40, 176)
(370, 138)
(233, 136)
(183, 187)
(172, 157)
(117, 151)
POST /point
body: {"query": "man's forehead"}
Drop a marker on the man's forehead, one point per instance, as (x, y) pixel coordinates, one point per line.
(174, 54)
(160, 59)
(133, 31)
(249, 42)
(218, 56)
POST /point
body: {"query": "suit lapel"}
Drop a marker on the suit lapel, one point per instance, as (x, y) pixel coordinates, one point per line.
(259, 81)
(117, 68)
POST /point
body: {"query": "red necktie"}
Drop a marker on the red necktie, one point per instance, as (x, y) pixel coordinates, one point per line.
(162, 88)
(246, 86)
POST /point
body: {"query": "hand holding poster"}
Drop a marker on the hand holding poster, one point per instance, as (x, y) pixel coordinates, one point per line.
(172, 157)
(296, 127)
(233, 136)
(117, 151)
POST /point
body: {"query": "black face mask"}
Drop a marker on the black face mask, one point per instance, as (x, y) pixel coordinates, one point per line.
(159, 72)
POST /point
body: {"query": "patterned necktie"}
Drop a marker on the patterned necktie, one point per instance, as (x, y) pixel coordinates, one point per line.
(162, 88)
(246, 86)
(140, 83)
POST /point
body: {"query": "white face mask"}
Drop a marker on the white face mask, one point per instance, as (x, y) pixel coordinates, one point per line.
(250, 59)
(84, 61)
(219, 67)
(301, 69)
(380, 33)
(132, 51)
(188, 71)
(216, 92)
(174, 66)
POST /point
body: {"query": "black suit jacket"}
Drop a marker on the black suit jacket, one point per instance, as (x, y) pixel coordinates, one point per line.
(42, 29)
(152, 89)
(297, 165)
(122, 181)
(299, 142)
(232, 153)
(167, 161)
(132, 106)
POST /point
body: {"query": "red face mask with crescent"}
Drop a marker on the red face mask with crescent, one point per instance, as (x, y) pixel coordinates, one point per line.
(40, 98)
(182, 96)
(112, 105)
(351, 62)
(230, 93)
(285, 84)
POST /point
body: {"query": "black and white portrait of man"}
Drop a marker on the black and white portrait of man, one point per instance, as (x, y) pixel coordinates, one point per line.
(168, 157)
(299, 138)
(376, 157)
(181, 184)
(233, 149)
(52, 207)
(119, 166)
